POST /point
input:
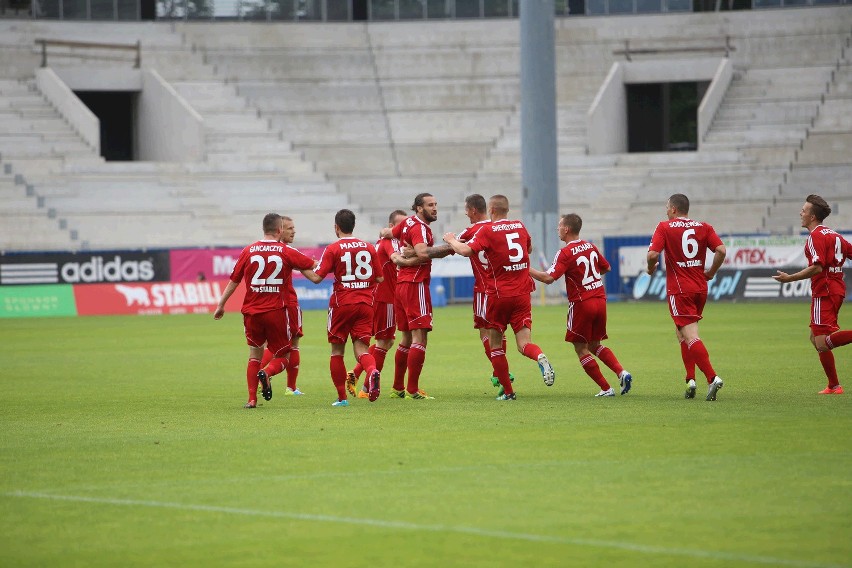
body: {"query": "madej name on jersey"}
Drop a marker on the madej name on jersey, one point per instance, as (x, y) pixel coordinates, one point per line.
(353, 245)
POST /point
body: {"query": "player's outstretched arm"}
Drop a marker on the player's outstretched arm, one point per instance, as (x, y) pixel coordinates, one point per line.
(542, 276)
(311, 275)
(229, 290)
(439, 251)
(800, 275)
(458, 246)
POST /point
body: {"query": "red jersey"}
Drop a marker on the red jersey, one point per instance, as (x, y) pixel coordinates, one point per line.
(298, 261)
(384, 249)
(262, 267)
(355, 268)
(829, 250)
(505, 246)
(582, 264)
(685, 243)
(411, 231)
(478, 263)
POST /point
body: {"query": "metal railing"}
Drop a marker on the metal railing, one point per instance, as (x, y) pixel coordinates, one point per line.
(628, 52)
(137, 47)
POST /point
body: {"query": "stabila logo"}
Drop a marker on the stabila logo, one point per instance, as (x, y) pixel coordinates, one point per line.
(101, 269)
(134, 295)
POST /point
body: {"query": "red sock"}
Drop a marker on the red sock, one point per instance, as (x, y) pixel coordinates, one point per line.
(594, 371)
(400, 361)
(699, 354)
(293, 369)
(379, 355)
(416, 358)
(359, 368)
(501, 369)
(688, 361)
(267, 357)
(251, 378)
(487, 346)
(531, 350)
(609, 359)
(276, 366)
(338, 375)
(368, 362)
(827, 360)
(839, 338)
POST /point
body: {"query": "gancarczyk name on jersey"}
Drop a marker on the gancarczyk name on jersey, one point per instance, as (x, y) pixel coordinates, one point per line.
(685, 224)
(266, 248)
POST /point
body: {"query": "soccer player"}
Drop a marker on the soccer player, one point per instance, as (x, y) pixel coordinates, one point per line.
(413, 302)
(584, 266)
(300, 261)
(384, 319)
(350, 307)
(685, 242)
(505, 246)
(826, 252)
(264, 315)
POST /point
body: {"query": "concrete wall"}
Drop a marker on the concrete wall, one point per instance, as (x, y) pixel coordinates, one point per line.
(70, 107)
(168, 128)
(607, 117)
(101, 78)
(713, 97)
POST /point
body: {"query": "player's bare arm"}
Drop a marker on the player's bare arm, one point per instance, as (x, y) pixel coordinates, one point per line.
(458, 246)
(311, 275)
(808, 272)
(229, 290)
(653, 261)
(421, 256)
(718, 258)
(542, 276)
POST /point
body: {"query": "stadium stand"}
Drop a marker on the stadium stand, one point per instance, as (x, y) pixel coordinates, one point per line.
(305, 119)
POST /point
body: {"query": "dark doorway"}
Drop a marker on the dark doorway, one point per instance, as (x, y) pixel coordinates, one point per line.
(115, 110)
(359, 10)
(663, 117)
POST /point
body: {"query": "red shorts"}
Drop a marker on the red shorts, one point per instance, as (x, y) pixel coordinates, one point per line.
(413, 306)
(686, 308)
(270, 328)
(824, 312)
(479, 303)
(294, 314)
(351, 320)
(384, 321)
(503, 312)
(586, 321)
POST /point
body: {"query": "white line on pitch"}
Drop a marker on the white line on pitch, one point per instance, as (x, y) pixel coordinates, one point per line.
(403, 525)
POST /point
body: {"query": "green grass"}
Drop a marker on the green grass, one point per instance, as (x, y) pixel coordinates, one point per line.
(124, 442)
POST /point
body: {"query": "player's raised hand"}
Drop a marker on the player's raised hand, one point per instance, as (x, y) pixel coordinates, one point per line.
(781, 277)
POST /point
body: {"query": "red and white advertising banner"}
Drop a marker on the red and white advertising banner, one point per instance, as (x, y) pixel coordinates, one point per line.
(155, 298)
(188, 265)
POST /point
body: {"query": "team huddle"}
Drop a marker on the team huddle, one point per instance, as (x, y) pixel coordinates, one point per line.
(384, 288)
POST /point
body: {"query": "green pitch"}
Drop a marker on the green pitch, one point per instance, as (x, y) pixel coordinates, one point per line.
(124, 443)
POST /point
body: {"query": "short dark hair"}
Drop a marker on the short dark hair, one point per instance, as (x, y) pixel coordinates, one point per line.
(573, 222)
(476, 202)
(419, 199)
(270, 223)
(395, 214)
(500, 203)
(819, 206)
(345, 221)
(680, 202)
